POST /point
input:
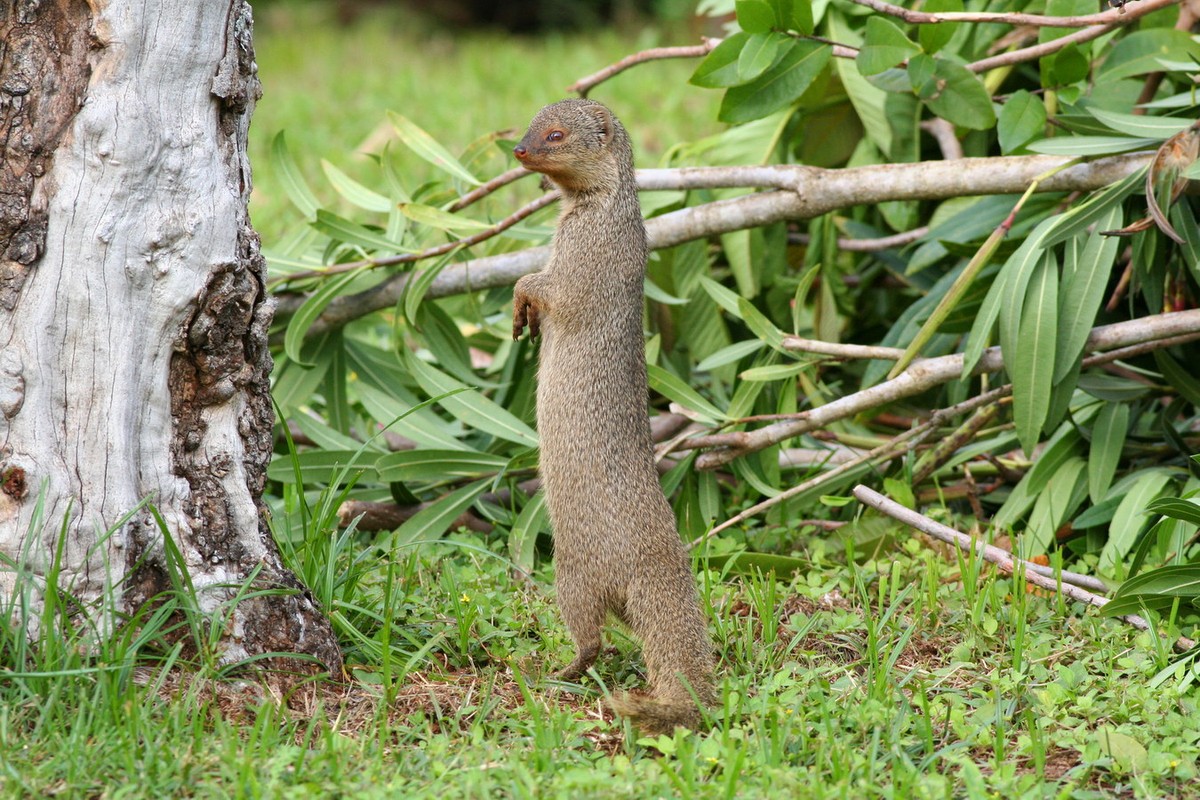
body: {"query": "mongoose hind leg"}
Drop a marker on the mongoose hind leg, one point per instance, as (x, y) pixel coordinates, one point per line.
(584, 613)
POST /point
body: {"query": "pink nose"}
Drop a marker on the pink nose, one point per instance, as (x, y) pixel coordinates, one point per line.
(520, 152)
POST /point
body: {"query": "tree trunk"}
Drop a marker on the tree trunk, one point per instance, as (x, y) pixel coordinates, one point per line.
(133, 317)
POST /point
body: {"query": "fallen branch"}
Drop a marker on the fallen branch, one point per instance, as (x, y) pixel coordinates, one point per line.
(806, 192)
(1070, 584)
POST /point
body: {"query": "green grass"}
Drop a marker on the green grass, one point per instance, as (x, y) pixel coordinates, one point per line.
(330, 88)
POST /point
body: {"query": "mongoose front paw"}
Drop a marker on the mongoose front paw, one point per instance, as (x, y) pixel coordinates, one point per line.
(525, 313)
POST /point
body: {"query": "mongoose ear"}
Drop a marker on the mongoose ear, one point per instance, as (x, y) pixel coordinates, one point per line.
(605, 118)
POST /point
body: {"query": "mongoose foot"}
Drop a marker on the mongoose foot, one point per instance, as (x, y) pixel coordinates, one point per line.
(577, 668)
(525, 313)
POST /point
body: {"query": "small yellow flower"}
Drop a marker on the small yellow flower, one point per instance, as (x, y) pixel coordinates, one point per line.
(712, 760)
(465, 598)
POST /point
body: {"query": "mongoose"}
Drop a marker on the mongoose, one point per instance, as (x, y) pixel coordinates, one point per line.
(616, 547)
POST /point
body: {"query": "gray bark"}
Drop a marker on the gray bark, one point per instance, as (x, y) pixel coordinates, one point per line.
(133, 315)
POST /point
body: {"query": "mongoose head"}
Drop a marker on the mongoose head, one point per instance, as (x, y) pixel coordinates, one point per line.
(579, 145)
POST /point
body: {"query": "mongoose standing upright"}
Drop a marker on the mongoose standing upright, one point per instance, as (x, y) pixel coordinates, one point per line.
(616, 548)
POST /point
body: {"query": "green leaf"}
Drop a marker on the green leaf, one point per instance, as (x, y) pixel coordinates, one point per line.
(750, 563)
(759, 54)
(722, 296)
(433, 521)
(671, 387)
(354, 191)
(1031, 356)
(935, 37)
(656, 293)
(729, 354)
(885, 46)
(522, 539)
(800, 17)
(779, 86)
(1129, 520)
(773, 372)
(1159, 128)
(437, 465)
(442, 220)
(1084, 281)
(341, 229)
(1063, 446)
(757, 321)
(427, 148)
(952, 92)
(322, 466)
(1090, 145)
(1108, 439)
(1176, 508)
(290, 178)
(719, 69)
(1082, 216)
(469, 406)
(1143, 51)
(1021, 119)
(755, 16)
(419, 283)
(308, 312)
(1156, 588)
(1055, 505)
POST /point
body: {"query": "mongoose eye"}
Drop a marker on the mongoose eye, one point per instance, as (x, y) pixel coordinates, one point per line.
(554, 136)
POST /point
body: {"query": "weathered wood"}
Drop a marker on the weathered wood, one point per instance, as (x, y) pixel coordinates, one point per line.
(133, 314)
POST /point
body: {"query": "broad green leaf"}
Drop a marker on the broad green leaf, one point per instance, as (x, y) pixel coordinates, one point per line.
(522, 539)
(469, 406)
(1084, 281)
(1129, 520)
(428, 148)
(884, 46)
(1108, 439)
(719, 69)
(759, 54)
(798, 17)
(952, 92)
(1143, 51)
(293, 182)
(442, 220)
(1090, 145)
(779, 86)
(437, 465)
(755, 16)
(355, 192)
(1021, 119)
(1030, 357)
(433, 521)
(671, 387)
(935, 37)
(308, 312)
(1127, 753)
(1141, 126)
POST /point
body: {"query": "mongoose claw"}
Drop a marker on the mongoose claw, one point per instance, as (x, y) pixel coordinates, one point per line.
(525, 313)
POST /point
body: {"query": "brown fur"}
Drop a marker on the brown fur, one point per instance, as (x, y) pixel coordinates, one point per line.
(616, 548)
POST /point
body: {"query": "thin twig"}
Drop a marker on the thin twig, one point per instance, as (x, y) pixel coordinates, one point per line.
(586, 84)
(1068, 583)
(867, 245)
(842, 351)
(503, 179)
(1117, 15)
(943, 133)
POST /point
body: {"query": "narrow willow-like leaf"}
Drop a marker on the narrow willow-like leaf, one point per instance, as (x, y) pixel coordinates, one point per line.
(773, 372)
(469, 406)
(1084, 282)
(320, 466)
(1084, 215)
(729, 354)
(1174, 580)
(442, 220)
(722, 296)
(522, 539)
(289, 175)
(1108, 439)
(425, 428)
(1141, 126)
(1129, 520)
(1090, 145)
(1063, 445)
(354, 191)
(437, 465)
(433, 521)
(343, 230)
(671, 387)
(1030, 354)
(1055, 505)
(1176, 508)
(308, 312)
(428, 148)
(419, 283)
(757, 321)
